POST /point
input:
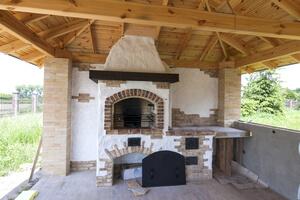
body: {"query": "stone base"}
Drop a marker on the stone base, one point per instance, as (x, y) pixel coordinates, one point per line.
(103, 181)
(83, 165)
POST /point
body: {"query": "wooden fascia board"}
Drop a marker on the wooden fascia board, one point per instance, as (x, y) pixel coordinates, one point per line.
(158, 15)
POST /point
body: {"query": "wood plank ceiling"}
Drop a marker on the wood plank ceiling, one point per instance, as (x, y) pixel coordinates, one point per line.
(254, 34)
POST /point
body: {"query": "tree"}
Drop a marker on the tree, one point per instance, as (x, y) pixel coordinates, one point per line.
(26, 91)
(263, 94)
(291, 94)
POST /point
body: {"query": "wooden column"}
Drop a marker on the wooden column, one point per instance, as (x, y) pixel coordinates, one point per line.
(224, 155)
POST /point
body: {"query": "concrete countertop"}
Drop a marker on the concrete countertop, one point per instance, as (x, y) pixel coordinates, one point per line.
(220, 132)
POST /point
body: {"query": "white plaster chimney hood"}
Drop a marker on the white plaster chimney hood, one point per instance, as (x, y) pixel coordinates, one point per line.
(135, 54)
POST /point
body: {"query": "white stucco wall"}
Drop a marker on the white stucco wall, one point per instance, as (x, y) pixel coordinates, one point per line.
(85, 117)
(195, 93)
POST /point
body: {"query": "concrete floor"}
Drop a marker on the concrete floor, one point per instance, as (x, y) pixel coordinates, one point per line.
(81, 186)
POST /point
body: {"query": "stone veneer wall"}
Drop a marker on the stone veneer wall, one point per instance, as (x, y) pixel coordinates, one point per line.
(83, 165)
(196, 172)
(114, 146)
(229, 96)
(180, 119)
(57, 116)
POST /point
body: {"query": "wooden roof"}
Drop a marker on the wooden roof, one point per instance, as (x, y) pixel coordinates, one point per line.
(250, 34)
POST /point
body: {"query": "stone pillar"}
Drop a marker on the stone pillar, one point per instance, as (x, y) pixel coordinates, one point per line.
(229, 95)
(57, 116)
(15, 103)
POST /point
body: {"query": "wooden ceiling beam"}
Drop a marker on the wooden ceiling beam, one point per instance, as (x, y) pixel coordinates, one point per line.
(158, 29)
(286, 49)
(101, 58)
(16, 28)
(156, 15)
(290, 6)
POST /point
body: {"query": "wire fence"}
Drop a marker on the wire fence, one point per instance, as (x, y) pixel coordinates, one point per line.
(13, 104)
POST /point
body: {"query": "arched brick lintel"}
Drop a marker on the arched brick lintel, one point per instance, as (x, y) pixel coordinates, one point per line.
(133, 93)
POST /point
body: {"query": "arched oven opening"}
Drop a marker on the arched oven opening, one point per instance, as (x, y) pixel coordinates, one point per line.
(134, 113)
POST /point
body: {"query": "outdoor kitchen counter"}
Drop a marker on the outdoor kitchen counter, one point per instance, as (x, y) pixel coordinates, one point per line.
(218, 131)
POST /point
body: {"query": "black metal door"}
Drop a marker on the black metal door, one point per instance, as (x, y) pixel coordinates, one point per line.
(163, 168)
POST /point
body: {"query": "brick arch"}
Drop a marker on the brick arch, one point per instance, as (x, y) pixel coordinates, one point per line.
(117, 152)
(133, 93)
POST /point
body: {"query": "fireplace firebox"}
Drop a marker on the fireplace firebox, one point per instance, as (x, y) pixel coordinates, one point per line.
(134, 113)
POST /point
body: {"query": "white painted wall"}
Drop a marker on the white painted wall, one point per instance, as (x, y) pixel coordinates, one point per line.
(195, 93)
(85, 117)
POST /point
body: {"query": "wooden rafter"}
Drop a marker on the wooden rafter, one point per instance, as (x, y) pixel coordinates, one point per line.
(290, 6)
(31, 18)
(209, 47)
(92, 38)
(296, 57)
(160, 16)
(63, 29)
(70, 37)
(286, 49)
(32, 56)
(13, 26)
(272, 41)
(270, 64)
(235, 43)
(13, 46)
(183, 43)
(217, 33)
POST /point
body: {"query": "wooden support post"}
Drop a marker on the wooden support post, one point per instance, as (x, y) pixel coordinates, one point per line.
(15, 103)
(224, 155)
(34, 98)
(238, 150)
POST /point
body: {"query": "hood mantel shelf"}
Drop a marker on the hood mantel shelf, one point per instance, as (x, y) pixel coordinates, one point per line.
(96, 75)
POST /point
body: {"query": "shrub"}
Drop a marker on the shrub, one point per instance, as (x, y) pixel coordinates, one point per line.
(249, 107)
(4, 96)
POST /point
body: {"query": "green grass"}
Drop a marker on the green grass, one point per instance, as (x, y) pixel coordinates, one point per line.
(290, 119)
(19, 138)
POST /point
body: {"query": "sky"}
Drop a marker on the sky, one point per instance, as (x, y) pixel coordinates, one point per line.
(15, 72)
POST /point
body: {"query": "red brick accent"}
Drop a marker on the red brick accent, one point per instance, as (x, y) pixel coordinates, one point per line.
(133, 93)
